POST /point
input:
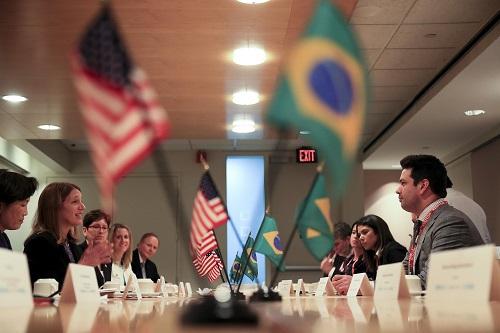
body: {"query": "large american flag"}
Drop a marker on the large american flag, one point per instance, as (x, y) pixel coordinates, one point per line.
(124, 120)
(208, 213)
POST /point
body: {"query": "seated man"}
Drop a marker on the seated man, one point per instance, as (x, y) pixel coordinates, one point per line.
(142, 266)
(341, 249)
(439, 226)
(95, 229)
(15, 193)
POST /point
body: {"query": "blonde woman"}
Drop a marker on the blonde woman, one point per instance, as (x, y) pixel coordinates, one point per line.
(120, 239)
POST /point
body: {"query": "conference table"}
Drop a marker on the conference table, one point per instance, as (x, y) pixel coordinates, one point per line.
(294, 314)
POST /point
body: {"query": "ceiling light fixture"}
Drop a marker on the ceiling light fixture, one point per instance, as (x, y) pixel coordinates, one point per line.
(48, 127)
(243, 126)
(304, 132)
(471, 113)
(246, 97)
(14, 98)
(249, 56)
(252, 2)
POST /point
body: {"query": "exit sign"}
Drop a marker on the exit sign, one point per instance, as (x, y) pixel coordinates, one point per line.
(307, 155)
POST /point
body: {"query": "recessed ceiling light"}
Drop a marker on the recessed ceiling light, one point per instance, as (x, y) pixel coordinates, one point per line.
(432, 35)
(253, 2)
(48, 127)
(243, 126)
(246, 97)
(471, 113)
(249, 56)
(14, 98)
(304, 132)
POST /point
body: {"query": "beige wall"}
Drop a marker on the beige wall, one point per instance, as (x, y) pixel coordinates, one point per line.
(485, 163)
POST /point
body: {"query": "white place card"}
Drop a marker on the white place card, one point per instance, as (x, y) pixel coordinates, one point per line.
(285, 288)
(391, 283)
(360, 283)
(189, 290)
(325, 285)
(15, 285)
(80, 285)
(470, 274)
(300, 288)
(182, 290)
(132, 290)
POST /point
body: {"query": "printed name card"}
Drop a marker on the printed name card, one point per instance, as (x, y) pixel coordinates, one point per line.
(325, 285)
(300, 288)
(360, 283)
(80, 285)
(470, 274)
(391, 283)
(285, 288)
(15, 285)
(132, 290)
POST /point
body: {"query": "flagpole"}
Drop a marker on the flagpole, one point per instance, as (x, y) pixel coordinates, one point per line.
(217, 250)
(246, 264)
(294, 230)
(240, 269)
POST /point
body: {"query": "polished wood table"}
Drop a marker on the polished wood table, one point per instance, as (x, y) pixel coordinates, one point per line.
(294, 314)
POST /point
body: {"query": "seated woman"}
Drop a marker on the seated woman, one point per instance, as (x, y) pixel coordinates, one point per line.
(51, 247)
(379, 247)
(121, 239)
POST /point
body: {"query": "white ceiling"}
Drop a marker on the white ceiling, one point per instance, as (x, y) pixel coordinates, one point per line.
(183, 46)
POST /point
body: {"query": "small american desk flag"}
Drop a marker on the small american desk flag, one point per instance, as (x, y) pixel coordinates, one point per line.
(208, 265)
(208, 213)
(123, 118)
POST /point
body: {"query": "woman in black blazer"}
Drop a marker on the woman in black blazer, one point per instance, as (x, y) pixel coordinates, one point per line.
(51, 246)
(378, 242)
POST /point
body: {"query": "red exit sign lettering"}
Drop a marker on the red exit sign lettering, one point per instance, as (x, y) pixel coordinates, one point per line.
(307, 155)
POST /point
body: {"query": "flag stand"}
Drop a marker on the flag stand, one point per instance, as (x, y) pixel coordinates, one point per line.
(210, 311)
(294, 230)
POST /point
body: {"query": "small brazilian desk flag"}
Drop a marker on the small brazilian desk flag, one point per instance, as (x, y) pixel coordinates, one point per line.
(324, 89)
(236, 269)
(315, 226)
(251, 268)
(268, 242)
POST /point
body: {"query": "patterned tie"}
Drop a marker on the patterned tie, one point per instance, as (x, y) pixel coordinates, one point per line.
(416, 231)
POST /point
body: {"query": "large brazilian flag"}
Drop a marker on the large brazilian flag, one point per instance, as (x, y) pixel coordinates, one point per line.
(268, 242)
(314, 223)
(324, 89)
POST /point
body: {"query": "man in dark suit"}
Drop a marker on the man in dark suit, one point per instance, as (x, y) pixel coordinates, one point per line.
(15, 193)
(142, 266)
(95, 229)
(438, 226)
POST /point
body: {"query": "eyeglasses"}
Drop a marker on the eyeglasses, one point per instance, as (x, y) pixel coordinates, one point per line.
(99, 227)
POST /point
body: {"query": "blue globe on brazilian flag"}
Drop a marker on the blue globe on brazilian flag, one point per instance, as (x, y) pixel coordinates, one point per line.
(324, 90)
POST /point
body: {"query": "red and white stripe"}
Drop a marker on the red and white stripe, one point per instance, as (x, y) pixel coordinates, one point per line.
(123, 125)
(207, 215)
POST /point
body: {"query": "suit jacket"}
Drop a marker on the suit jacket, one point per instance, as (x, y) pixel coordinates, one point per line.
(150, 267)
(448, 228)
(102, 272)
(392, 252)
(48, 259)
(4, 241)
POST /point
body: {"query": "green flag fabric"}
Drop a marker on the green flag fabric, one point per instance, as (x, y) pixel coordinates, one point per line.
(251, 268)
(315, 226)
(324, 89)
(268, 242)
(236, 269)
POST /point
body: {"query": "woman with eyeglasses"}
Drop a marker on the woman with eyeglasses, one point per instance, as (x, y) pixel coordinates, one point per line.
(95, 229)
(121, 240)
(51, 247)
